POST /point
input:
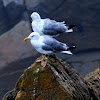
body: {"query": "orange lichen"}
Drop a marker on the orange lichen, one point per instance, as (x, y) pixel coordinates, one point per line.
(38, 83)
(95, 74)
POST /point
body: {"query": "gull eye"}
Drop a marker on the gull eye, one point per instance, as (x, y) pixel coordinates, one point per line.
(32, 35)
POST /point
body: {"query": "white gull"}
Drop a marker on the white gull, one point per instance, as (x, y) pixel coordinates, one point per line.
(47, 45)
(48, 26)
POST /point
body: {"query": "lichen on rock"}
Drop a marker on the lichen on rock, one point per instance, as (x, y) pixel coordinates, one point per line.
(93, 82)
(39, 82)
(56, 81)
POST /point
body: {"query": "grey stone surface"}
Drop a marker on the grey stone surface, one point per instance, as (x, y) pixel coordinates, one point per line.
(3, 19)
(14, 12)
(12, 45)
(11, 13)
(19, 2)
(83, 62)
(32, 3)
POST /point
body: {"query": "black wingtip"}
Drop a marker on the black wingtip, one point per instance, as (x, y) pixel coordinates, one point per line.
(71, 26)
(71, 48)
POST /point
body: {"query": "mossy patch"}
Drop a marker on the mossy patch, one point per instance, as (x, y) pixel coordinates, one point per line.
(39, 83)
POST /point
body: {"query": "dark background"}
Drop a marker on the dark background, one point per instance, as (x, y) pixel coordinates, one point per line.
(16, 55)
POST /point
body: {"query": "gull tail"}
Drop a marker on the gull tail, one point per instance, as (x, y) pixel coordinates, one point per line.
(68, 52)
(69, 29)
(71, 48)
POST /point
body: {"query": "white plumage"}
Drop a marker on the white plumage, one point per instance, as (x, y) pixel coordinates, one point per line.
(46, 44)
(47, 26)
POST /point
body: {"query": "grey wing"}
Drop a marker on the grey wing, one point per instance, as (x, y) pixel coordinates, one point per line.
(47, 48)
(52, 44)
(51, 27)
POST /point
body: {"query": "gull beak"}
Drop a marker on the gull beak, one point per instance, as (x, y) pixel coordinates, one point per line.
(32, 20)
(26, 39)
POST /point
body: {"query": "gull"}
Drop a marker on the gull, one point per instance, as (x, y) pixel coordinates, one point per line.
(46, 44)
(48, 26)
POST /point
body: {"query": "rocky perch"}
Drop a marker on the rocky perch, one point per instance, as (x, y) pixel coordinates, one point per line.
(56, 81)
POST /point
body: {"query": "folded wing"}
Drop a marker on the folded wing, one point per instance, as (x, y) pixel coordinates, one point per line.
(51, 27)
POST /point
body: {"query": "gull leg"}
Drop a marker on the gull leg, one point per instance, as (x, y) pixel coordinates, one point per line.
(43, 60)
(40, 58)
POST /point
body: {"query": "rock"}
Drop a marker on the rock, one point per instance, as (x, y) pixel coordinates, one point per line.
(11, 13)
(9, 74)
(9, 95)
(4, 20)
(56, 81)
(12, 45)
(32, 3)
(14, 12)
(84, 62)
(93, 81)
(18, 2)
(93, 75)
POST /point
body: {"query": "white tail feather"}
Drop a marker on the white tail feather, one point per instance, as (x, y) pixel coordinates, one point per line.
(70, 30)
(68, 52)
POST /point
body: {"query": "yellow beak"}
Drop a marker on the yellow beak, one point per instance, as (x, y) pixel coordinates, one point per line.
(26, 39)
(32, 20)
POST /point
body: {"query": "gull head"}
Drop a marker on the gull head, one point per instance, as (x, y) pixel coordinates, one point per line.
(33, 36)
(35, 16)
